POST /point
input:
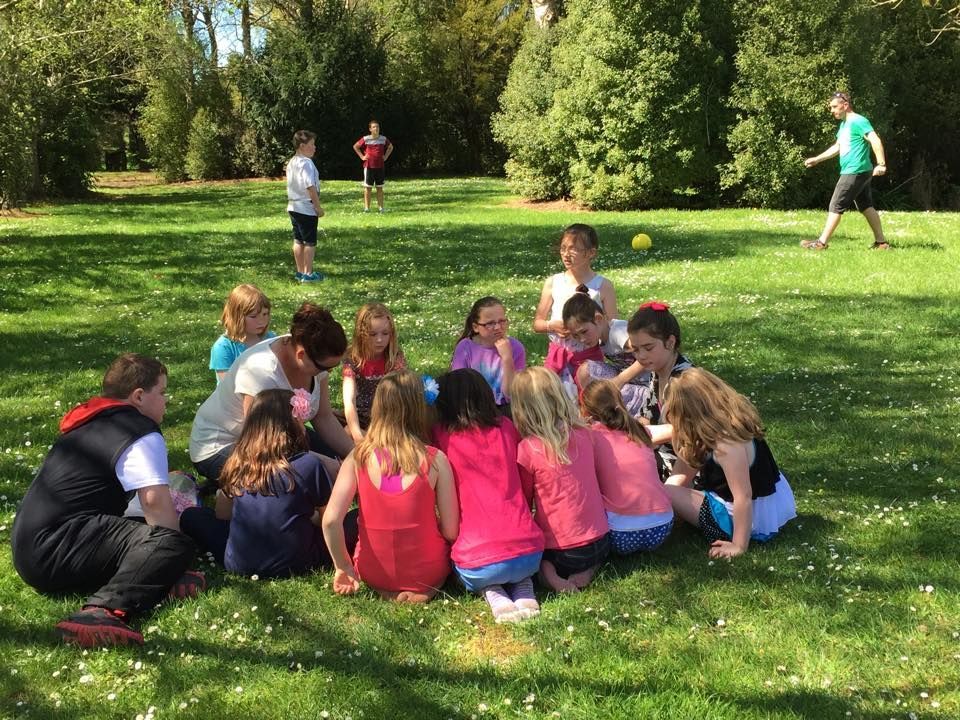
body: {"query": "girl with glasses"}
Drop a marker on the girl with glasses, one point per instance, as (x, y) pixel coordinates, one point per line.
(485, 346)
(578, 249)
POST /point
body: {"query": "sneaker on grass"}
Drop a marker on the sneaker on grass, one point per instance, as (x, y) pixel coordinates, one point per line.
(312, 277)
(97, 627)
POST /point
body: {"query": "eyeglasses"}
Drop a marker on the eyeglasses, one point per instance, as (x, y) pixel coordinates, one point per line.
(493, 324)
(841, 96)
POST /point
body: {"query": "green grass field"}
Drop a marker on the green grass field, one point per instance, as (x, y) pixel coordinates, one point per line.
(850, 355)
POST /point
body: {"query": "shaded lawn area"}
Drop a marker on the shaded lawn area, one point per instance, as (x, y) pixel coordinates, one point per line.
(850, 355)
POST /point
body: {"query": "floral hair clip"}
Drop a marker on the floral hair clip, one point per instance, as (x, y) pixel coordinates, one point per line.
(655, 305)
(300, 402)
(430, 389)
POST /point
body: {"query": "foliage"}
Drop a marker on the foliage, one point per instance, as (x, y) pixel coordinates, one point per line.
(848, 356)
(536, 167)
(446, 66)
(62, 65)
(636, 104)
(920, 77)
(323, 76)
(791, 56)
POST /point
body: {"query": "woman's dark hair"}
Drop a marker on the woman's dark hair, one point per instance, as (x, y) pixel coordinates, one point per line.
(474, 315)
(465, 401)
(314, 329)
(657, 323)
(581, 307)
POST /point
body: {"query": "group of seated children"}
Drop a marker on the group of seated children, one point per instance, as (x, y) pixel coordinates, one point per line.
(513, 472)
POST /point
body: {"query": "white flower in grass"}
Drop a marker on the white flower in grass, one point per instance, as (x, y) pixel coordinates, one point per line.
(86, 679)
(238, 689)
(721, 622)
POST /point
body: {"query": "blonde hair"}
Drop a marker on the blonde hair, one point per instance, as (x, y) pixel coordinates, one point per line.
(542, 409)
(360, 344)
(243, 300)
(601, 401)
(705, 411)
(398, 423)
(271, 435)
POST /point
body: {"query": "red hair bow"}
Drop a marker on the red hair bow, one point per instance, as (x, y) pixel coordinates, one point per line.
(655, 305)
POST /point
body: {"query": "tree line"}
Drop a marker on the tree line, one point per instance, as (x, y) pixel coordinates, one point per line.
(617, 104)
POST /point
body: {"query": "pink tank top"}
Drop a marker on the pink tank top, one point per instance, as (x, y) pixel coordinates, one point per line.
(400, 547)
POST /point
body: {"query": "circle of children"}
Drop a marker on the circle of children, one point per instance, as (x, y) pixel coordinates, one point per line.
(510, 472)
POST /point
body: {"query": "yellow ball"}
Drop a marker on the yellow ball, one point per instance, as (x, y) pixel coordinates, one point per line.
(641, 241)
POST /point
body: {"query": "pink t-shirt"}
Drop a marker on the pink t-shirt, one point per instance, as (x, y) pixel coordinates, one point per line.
(495, 519)
(569, 508)
(627, 473)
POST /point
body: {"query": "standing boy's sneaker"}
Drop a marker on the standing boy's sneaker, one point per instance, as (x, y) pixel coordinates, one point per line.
(299, 276)
(97, 627)
(312, 277)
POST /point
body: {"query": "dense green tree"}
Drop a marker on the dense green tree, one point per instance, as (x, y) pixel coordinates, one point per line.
(636, 108)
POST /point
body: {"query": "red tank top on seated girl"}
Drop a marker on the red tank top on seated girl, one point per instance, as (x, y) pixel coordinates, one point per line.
(400, 547)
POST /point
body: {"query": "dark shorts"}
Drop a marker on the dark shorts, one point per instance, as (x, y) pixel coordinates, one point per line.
(574, 560)
(304, 228)
(373, 176)
(709, 523)
(852, 191)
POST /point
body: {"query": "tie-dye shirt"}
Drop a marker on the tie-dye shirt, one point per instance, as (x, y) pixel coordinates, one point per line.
(487, 362)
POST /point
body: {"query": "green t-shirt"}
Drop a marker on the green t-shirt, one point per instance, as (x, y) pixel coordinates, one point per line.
(854, 148)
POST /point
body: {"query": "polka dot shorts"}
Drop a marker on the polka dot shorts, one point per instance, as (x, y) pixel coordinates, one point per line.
(631, 541)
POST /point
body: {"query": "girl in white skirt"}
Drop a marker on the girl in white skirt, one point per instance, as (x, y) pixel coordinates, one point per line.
(738, 493)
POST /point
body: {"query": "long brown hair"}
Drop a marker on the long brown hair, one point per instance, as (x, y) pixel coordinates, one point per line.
(705, 411)
(243, 300)
(601, 401)
(360, 343)
(541, 408)
(271, 435)
(398, 423)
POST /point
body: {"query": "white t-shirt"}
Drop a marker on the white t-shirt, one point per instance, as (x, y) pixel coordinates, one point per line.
(301, 175)
(220, 418)
(617, 339)
(144, 463)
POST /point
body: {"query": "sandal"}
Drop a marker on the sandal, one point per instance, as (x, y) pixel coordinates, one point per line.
(880, 245)
(813, 245)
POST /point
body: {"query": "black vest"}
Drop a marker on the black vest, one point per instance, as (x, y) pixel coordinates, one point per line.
(78, 476)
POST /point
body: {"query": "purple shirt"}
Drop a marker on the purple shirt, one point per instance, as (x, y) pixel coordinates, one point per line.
(486, 361)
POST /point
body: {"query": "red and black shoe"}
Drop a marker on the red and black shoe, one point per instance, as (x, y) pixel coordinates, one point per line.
(190, 584)
(97, 627)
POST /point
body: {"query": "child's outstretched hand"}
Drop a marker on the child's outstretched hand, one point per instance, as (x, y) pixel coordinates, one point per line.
(345, 582)
(725, 549)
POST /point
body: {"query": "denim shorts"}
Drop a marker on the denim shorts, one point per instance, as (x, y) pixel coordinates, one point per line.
(507, 571)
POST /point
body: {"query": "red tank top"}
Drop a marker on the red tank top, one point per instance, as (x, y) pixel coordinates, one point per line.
(400, 547)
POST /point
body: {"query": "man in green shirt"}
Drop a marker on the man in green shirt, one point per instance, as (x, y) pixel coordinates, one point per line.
(855, 138)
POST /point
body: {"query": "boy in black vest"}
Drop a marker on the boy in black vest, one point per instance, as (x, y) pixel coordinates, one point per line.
(70, 535)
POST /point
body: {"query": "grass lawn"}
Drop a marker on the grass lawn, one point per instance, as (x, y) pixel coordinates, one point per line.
(850, 355)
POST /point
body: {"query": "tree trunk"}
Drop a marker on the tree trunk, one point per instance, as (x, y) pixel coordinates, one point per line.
(189, 18)
(207, 11)
(245, 28)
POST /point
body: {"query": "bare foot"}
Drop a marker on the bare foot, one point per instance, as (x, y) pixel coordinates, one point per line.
(549, 577)
(582, 579)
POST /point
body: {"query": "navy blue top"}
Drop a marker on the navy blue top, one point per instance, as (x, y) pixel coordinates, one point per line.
(271, 535)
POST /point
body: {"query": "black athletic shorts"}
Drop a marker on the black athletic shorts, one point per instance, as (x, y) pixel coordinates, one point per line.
(373, 176)
(574, 560)
(852, 191)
